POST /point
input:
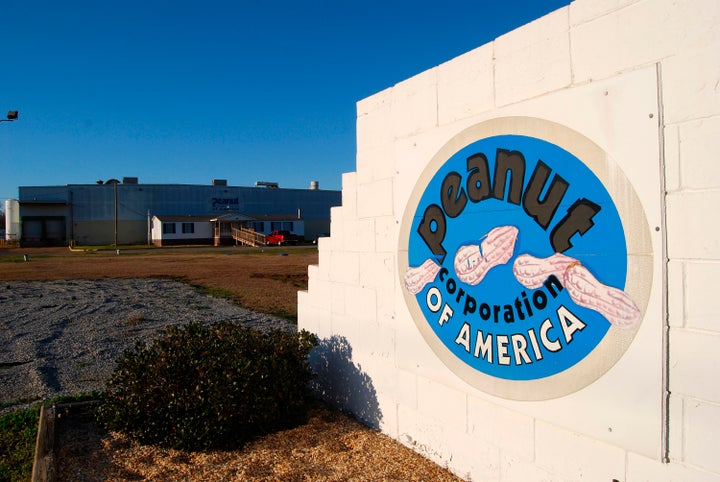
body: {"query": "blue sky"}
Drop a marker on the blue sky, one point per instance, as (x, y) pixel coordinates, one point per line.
(189, 91)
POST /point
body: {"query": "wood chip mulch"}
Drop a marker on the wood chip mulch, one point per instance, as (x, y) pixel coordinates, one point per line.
(330, 447)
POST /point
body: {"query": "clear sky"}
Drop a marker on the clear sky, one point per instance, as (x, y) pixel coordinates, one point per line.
(179, 91)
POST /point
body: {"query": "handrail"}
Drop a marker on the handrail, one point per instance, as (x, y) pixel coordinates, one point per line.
(248, 237)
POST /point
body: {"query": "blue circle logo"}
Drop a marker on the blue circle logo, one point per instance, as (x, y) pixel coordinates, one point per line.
(517, 259)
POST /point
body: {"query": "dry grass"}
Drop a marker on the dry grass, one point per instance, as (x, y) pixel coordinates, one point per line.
(262, 281)
(330, 447)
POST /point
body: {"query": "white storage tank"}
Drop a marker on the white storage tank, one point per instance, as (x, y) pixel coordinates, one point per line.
(12, 220)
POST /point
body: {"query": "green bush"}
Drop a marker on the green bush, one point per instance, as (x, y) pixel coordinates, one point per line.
(200, 387)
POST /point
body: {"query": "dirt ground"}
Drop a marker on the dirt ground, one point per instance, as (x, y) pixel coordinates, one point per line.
(331, 446)
(264, 280)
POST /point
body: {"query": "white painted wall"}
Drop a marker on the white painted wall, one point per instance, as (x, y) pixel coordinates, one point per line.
(201, 230)
(640, 79)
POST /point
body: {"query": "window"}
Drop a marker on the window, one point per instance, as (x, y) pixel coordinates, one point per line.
(188, 228)
(168, 228)
(275, 225)
(288, 226)
(259, 226)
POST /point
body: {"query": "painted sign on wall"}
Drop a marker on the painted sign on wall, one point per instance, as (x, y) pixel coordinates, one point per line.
(517, 264)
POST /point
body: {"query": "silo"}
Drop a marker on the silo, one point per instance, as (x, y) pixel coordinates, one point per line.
(12, 220)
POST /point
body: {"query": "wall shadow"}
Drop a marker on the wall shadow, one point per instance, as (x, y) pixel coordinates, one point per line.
(343, 384)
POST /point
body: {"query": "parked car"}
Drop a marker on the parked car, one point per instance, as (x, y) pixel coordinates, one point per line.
(280, 237)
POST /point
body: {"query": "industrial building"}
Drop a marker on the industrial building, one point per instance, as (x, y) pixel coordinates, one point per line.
(124, 212)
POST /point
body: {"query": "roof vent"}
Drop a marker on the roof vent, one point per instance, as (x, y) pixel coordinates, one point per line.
(130, 180)
(219, 182)
(269, 185)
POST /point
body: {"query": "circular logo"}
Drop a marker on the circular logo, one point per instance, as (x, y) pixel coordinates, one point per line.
(515, 261)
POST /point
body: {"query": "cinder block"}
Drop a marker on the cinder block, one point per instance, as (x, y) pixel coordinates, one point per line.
(386, 310)
(337, 299)
(375, 163)
(644, 469)
(312, 315)
(361, 305)
(414, 354)
(676, 449)
(699, 145)
(359, 235)
(512, 432)
(407, 418)
(432, 439)
(379, 343)
(375, 102)
(472, 459)
(533, 60)
(672, 158)
(582, 11)
(688, 89)
(373, 127)
(690, 235)
(513, 468)
(702, 437)
(375, 199)
(414, 104)
(317, 285)
(349, 195)
(386, 234)
(345, 267)
(694, 359)
(337, 232)
(388, 416)
(377, 270)
(640, 34)
(701, 309)
(577, 457)
(676, 290)
(445, 404)
(407, 391)
(412, 156)
(466, 85)
(324, 250)
(690, 75)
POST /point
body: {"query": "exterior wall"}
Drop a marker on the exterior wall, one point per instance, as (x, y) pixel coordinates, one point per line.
(89, 210)
(202, 232)
(637, 78)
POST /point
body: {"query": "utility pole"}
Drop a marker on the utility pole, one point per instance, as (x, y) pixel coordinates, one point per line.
(115, 195)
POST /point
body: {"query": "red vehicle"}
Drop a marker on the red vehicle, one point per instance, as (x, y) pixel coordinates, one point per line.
(280, 237)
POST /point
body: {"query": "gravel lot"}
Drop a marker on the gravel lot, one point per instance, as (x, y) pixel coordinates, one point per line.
(63, 337)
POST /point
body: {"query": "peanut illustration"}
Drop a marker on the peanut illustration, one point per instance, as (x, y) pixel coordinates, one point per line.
(531, 272)
(416, 278)
(472, 261)
(585, 290)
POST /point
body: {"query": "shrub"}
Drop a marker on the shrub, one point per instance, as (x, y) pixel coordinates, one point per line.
(200, 387)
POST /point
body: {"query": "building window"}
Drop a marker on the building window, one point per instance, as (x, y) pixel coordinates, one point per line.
(259, 226)
(288, 226)
(188, 228)
(275, 225)
(168, 228)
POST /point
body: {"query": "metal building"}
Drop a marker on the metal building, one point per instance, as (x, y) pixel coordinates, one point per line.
(114, 212)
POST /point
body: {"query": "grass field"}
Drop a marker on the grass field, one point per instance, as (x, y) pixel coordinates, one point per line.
(264, 280)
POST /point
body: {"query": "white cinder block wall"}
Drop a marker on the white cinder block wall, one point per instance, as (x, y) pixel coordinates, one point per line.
(639, 78)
